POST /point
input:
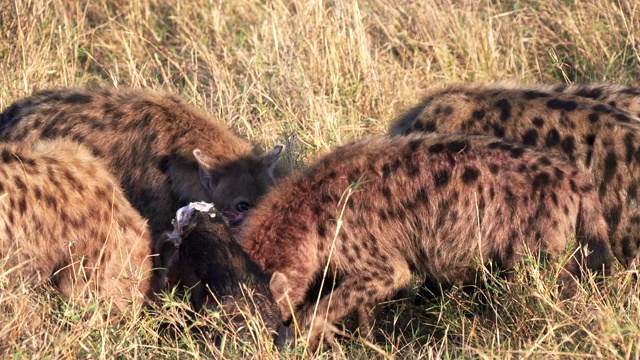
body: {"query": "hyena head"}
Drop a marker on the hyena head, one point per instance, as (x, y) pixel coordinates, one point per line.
(204, 258)
(235, 186)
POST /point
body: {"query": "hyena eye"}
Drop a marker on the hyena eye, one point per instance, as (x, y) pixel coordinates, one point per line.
(242, 206)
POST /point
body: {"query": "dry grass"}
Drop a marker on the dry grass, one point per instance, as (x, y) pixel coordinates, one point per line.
(329, 71)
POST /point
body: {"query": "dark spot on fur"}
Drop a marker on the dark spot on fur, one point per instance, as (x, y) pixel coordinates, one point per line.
(553, 138)
(505, 109)
(592, 93)
(19, 183)
(593, 117)
(530, 137)
(386, 170)
(510, 197)
(540, 180)
(448, 110)
(6, 156)
(457, 146)
(498, 131)
(543, 160)
(478, 114)
(382, 214)
(414, 145)
(538, 122)
(534, 94)
(77, 98)
(568, 146)
(421, 196)
(436, 148)
(470, 174)
(522, 168)
(629, 143)
(441, 178)
(602, 109)
(387, 193)
(562, 105)
(610, 166)
(322, 231)
(516, 152)
(622, 117)
(558, 173)
(22, 205)
(427, 126)
(573, 185)
(494, 168)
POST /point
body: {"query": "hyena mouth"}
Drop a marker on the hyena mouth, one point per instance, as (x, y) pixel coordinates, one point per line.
(234, 218)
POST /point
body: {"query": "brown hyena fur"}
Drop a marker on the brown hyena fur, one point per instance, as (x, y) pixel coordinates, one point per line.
(63, 217)
(163, 151)
(433, 204)
(599, 139)
(210, 264)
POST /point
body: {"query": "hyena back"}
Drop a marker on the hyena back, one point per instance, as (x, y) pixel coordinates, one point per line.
(164, 152)
(433, 204)
(601, 140)
(63, 217)
(625, 98)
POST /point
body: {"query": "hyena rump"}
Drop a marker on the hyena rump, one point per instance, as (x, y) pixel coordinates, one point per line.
(433, 204)
(164, 152)
(63, 217)
(599, 139)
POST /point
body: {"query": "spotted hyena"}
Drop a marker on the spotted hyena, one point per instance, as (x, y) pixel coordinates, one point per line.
(164, 152)
(207, 261)
(63, 217)
(601, 140)
(432, 204)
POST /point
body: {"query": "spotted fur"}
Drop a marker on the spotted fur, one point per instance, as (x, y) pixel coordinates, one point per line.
(164, 152)
(422, 203)
(601, 140)
(626, 98)
(63, 217)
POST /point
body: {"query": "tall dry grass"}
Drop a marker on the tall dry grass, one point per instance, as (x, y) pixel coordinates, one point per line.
(328, 71)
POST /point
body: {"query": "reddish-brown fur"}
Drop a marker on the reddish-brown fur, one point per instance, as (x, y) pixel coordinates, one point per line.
(601, 140)
(424, 203)
(147, 140)
(64, 217)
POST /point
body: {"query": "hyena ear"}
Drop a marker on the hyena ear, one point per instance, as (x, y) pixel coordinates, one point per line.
(270, 159)
(204, 169)
(279, 285)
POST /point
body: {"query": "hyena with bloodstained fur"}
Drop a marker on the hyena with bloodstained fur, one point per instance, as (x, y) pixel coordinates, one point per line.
(431, 204)
(601, 140)
(63, 217)
(164, 152)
